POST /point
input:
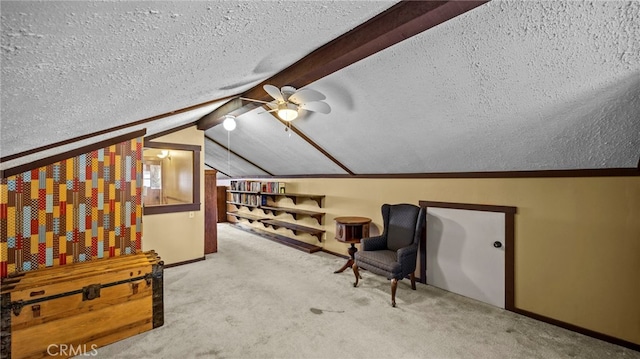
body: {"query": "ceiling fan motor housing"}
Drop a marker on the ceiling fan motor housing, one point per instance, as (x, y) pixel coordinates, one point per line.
(287, 91)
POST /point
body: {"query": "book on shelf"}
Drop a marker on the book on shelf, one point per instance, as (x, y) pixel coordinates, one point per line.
(249, 199)
(270, 187)
(245, 186)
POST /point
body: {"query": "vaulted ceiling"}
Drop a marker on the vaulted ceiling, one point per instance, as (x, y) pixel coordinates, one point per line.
(504, 86)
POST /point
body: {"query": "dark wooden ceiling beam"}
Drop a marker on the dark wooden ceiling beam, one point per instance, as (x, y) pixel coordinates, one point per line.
(401, 21)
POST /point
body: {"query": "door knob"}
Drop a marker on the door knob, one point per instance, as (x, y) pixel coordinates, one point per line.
(497, 244)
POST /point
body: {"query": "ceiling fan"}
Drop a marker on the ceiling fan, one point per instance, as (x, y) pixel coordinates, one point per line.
(288, 101)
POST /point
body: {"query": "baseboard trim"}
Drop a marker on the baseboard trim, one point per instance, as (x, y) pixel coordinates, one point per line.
(335, 254)
(578, 329)
(184, 262)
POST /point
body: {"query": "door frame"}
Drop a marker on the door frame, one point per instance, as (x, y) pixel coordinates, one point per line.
(210, 212)
(509, 238)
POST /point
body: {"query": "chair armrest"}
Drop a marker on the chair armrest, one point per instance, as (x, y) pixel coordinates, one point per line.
(407, 257)
(409, 251)
(373, 243)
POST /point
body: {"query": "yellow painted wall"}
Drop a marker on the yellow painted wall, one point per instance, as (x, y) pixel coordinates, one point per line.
(577, 240)
(175, 236)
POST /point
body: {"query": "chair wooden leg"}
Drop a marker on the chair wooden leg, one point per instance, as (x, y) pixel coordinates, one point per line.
(356, 273)
(394, 286)
(412, 276)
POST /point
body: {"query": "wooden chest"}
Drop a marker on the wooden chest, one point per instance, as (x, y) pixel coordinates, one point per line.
(72, 309)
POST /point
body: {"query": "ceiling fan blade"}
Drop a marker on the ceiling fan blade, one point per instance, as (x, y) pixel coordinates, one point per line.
(273, 92)
(316, 106)
(306, 96)
(254, 100)
(273, 108)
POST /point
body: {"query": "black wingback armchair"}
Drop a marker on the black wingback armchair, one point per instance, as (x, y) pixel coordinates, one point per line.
(393, 253)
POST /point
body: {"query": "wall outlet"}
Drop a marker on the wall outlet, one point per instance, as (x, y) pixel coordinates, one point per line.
(191, 214)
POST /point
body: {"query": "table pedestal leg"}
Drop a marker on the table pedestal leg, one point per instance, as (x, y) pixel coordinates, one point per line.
(352, 252)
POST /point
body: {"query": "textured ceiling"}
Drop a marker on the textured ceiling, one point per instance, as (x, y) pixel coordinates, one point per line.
(507, 86)
(510, 85)
(77, 67)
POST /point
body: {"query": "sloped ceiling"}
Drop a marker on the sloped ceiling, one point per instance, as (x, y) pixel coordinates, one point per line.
(71, 68)
(507, 86)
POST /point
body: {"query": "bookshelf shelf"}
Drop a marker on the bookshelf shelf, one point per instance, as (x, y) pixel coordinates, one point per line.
(294, 227)
(294, 212)
(250, 217)
(239, 204)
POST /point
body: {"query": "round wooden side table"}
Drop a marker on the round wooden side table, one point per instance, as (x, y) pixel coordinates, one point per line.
(351, 230)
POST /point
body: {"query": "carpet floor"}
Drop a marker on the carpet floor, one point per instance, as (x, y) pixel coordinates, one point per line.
(259, 299)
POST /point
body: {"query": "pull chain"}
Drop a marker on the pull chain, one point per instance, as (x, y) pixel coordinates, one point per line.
(229, 153)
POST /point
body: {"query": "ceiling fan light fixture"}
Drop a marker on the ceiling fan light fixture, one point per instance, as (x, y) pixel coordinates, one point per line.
(288, 101)
(287, 112)
(229, 123)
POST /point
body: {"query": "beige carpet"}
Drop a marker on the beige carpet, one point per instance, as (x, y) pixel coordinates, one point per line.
(259, 299)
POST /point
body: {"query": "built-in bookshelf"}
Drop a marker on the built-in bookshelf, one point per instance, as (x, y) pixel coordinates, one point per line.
(255, 194)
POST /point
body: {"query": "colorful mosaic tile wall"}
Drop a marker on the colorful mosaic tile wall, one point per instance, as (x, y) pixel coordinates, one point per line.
(77, 210)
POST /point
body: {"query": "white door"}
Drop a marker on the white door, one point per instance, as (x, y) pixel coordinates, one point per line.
(465, 253)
